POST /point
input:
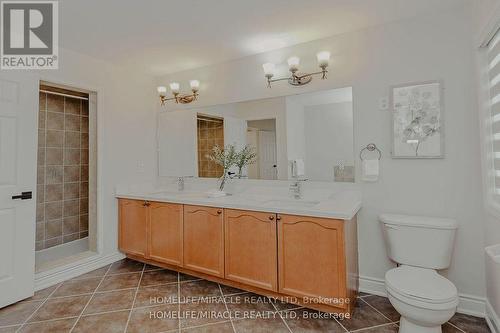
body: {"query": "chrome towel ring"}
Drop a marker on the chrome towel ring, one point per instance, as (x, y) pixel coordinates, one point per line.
(370, 147)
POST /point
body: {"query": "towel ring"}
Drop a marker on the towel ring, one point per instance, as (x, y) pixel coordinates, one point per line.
(370, 147)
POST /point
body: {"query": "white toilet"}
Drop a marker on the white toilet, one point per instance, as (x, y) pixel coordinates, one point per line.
(420, 245)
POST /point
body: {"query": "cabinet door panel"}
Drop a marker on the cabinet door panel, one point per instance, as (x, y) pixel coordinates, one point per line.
(165, 233)
(133, 216)
(250, 248)
(311, 258)
(204, 239)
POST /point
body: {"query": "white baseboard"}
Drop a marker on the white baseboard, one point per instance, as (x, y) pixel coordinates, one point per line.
(492, 318)
(59, 274)
(468, 304)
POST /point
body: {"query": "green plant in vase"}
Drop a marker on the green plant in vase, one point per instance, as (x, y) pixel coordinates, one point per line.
(225, 157)
(245, 157)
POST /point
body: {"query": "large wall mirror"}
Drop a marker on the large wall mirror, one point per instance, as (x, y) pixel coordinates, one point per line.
(308, 136)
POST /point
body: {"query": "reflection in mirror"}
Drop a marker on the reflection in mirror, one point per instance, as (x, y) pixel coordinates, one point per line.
(210, 134)
(305, 136)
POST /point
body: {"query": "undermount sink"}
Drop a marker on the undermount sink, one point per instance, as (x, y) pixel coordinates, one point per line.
(181, 194)
(292, 203)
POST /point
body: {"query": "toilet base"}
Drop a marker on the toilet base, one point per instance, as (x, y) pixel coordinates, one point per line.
(406, 326)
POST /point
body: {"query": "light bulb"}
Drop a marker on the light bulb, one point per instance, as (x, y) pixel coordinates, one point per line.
(268, 69)
(174, 86)
(323, 58)
(162, 90)
(195, 84)
(293, 63)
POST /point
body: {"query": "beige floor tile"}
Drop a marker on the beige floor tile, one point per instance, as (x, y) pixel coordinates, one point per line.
(201, 313)
(156, 295)
(65, 307)
(121, 281)
(17, 313)
(77, 287)
(125, 266)
(53, 326)
(155, 319)
(261, 325)
(111, 301)
(211, 328)
(159, 277)
(113, 322)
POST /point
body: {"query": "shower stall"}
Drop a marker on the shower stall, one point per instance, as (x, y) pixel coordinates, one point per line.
(65, 175)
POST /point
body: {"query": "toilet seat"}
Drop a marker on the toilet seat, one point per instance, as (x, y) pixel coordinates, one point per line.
(421, 287)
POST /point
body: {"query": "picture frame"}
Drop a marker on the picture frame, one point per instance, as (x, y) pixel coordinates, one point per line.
(417, 120)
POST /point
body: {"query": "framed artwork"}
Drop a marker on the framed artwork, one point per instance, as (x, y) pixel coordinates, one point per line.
(417, 120)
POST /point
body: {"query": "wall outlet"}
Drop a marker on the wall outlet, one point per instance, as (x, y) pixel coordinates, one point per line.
(383, 104)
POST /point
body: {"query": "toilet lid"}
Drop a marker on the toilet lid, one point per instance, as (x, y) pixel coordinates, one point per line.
(423, 284)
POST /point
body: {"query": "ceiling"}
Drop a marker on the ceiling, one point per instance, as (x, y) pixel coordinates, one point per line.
(165, 36)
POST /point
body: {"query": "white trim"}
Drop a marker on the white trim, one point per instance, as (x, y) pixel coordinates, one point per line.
(65, 95)
(492, 318)
(468, 304)
(62, 273)
(372, 286)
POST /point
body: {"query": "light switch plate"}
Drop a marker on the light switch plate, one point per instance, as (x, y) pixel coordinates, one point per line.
(383, 104)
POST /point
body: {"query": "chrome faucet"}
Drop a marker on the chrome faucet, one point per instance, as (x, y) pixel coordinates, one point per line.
(296, 188)
(180, 182)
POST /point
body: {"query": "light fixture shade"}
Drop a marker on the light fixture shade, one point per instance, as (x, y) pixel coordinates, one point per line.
(162, 90)
(323, 58)
(195, 84)
(293, 63)
(175, 87)
(269, 68)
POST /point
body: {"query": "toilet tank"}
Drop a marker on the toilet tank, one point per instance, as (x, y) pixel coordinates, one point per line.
(418, 240)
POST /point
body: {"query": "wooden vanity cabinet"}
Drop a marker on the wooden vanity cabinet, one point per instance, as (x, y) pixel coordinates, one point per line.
(166, 232)
(315, 261)
(250, 248)
(152, 230)
(133, 226)
(204, 239)
(312, 259)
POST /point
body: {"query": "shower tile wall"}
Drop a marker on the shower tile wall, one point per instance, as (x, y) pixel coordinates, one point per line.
(210, 134)
(62, 190)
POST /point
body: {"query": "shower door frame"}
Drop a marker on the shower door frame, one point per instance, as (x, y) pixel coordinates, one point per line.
(99, 143)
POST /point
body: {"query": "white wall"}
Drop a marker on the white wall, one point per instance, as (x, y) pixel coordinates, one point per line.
(425, 48)
(126, 128)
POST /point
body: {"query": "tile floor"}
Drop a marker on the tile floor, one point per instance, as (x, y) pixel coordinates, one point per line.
(129, 296)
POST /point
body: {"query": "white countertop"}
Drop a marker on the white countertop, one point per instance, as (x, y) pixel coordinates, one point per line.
(342, 204)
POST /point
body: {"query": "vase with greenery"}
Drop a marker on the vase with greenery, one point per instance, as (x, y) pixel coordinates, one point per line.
(225, 157)
(245, 157)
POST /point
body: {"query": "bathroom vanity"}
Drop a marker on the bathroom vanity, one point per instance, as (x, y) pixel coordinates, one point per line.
(304, 252)
(276, 234)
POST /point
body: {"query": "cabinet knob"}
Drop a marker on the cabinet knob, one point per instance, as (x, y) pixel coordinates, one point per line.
(278, 218)
(271, 217)
(146, 204)
(219, 211)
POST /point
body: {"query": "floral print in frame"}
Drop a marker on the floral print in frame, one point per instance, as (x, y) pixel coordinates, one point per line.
(417, 120)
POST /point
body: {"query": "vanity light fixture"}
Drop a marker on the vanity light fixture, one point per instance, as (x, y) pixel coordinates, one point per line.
(178, 98)
(296, 78)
